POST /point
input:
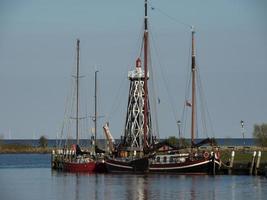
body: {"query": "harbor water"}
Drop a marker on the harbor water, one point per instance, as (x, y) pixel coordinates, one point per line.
(29, 177)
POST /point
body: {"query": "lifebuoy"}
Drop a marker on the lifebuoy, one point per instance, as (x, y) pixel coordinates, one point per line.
(206, 154)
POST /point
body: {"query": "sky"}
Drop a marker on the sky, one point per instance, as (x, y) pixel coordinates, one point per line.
(37, 57)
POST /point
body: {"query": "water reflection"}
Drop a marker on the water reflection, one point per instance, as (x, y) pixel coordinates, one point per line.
(77, 191)
(137, 187)
(193, 190)
(25, 183)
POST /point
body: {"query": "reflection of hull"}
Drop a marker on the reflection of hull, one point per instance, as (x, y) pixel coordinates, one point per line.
(79, 167)
(139, 165)
(200, 166)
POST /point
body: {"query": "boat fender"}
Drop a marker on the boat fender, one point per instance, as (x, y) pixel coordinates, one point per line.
(217, 155)
(206, 154)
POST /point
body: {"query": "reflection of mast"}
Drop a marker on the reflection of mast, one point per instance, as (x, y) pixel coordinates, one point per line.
(193, 68)
(77, 188)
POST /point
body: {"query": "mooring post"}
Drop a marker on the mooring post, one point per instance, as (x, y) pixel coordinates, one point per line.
(252, 163)
(213, 163)
(52, 158)
(231, 162)
(258, 163)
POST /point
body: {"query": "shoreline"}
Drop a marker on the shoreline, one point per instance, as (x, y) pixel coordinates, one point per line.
(21, 149)
(243, 153)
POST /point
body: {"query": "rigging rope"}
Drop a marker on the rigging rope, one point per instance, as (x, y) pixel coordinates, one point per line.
(154, 95)
(168, 16)
(205, 109)
(123, 82)
(187, 91)
(173, 109)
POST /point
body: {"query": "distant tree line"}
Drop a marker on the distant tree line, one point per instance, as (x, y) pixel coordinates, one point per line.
(178, 141)
(260, 134)
(43, 141)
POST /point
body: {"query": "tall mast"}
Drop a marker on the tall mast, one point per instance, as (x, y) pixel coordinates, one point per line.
(145, 70)
(193, 117)
(95, 118)
(77, 92)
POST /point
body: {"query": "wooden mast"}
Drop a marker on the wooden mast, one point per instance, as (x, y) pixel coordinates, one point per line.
(145, 71)
(95, 117)
(77, 92)
(193, 69)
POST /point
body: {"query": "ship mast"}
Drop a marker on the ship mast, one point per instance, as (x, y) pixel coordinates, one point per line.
(77, 92)
(193, 69)
(95, 117)
(137, 132)
(145, 71)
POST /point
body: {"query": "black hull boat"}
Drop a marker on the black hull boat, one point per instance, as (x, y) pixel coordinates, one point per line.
(193, 161)
(172, 164)
(118, 165)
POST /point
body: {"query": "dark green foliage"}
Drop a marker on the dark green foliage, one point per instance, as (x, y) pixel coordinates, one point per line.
(1, 139)
(260, 134)
(178, 142)
(173, 140)
(43, 141)
(214, 142)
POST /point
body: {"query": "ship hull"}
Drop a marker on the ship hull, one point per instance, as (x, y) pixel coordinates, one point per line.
(79, 167)
(202, 166)
(101, 167)
(140, 165)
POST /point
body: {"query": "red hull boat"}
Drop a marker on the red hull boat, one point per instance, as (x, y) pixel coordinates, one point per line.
(74, 159)
(79, 167)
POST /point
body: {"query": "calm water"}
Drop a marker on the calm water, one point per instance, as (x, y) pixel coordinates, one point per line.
(29, 177)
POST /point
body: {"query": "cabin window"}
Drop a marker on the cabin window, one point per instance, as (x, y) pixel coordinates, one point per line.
(158, 159)
(171, 159)
(164, 159)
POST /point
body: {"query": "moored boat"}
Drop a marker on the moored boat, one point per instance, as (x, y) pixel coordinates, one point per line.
(119, 165)
(184, 164)
(72, 158)
(191, 160)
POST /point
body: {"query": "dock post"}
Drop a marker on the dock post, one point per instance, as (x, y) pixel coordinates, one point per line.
(258, 163)
(231, 162)
(252, 163)
(213, 163)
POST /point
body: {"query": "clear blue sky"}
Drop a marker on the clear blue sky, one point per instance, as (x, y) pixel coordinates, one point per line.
(37, 54)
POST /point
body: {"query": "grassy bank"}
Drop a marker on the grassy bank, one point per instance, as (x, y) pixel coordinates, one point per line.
(17, 148)
(243, 156)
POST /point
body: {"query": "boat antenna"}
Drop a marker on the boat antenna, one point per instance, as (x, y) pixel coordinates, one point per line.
(193, 69)
(145, 70)
(77, 92)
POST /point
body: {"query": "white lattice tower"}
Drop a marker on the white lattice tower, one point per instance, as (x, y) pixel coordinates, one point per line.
(134, 126)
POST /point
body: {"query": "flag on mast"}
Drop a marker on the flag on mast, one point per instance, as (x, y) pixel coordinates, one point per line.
(188, 103)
